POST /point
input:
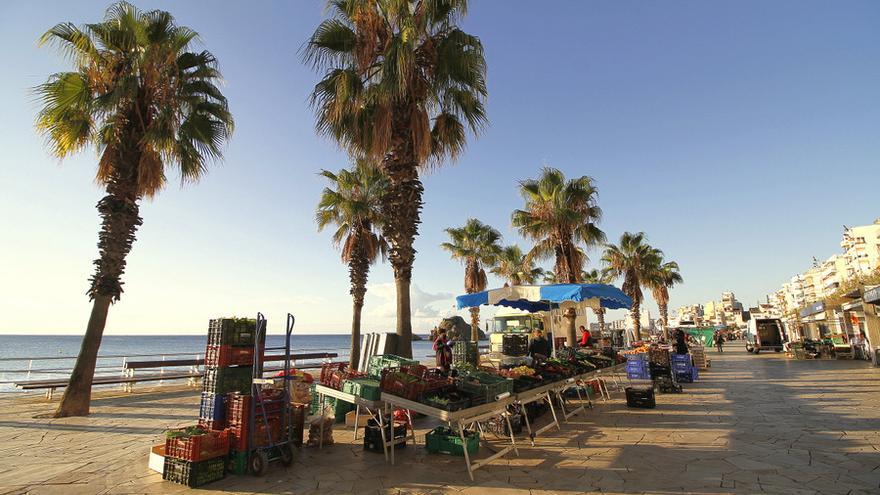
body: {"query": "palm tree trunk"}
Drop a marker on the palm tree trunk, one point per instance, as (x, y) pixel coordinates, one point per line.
(570, 331)
(636, 316)
(404, 321)
(475, 324)
(664, 320)
(78, 394)
(401, 207)
(120, 220)
(355, 357)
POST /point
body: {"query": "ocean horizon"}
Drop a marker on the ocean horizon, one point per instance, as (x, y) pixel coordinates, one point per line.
(58, 352)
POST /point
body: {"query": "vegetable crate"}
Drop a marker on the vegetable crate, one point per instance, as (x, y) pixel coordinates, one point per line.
(485, 385)
(658, 370)
(233, 331)
(450, 402)
(328, 369)
(182, 444)
(366, 388)
(515, 344)
(443, 440)
(465, 352)
(640, 397)
(194, 474)
(222, 356)
(225, 380)
(686, 376)
(213, 409)
(402, 385)
(381, 362)
(666, 385)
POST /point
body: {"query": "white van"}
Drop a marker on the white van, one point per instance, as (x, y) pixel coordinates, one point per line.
(765, 334)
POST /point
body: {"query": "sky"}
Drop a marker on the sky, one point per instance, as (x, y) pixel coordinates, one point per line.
(739, 135)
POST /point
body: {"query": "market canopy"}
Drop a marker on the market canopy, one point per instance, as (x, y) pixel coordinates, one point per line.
(534, 298)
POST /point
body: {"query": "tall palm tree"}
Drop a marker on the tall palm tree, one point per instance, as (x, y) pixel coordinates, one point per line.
(635, 261)
(558, 216)
(549, 277)
(595, 276)
(148, 104)
(402, 84)
(666, 275)
(513, 266)
(353, 205)
(476, 245)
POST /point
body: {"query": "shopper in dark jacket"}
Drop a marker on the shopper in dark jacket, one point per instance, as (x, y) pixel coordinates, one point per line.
(540, 348)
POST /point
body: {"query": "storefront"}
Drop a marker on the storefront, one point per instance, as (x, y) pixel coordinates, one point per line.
(870, 308)
(813, 323)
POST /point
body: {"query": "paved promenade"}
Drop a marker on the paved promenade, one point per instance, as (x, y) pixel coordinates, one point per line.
(753, 424)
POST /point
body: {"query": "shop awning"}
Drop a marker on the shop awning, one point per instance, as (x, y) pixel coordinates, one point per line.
(535, 298)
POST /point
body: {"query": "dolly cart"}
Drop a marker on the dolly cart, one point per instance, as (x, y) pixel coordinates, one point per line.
(268, 410)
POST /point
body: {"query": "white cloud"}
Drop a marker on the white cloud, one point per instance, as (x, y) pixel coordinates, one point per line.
(427, 307)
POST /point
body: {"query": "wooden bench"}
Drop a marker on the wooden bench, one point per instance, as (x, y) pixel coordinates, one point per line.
(128, 379)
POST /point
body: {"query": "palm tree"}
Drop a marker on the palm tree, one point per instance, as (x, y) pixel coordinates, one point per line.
(512, 265)
(402, 84)
(595, 276)
(549, 277)
(352, 204)
(634, 260)
(476, 245)
(148, 104)
(558, 216)
(665, 275)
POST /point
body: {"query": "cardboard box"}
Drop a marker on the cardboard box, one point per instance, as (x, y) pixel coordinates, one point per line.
(362, 419)
(157, 458)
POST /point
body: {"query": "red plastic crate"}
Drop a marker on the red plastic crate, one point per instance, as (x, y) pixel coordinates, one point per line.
(417, 370)
(198, 447)
(222, 356)
(396, 383)
(337, 377)
(238, 405)
(238, 433)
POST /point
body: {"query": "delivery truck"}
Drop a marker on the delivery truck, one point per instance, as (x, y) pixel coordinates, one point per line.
(765, 334)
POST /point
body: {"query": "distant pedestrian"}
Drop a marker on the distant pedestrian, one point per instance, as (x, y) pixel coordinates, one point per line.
(719, 342)
(443, 350)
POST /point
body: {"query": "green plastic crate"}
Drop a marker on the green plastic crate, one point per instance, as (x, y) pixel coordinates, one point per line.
(194, 474)
(237, 463)
(225, 380)
(366, 388)
(444, 440)
(382, 361)
(484, 384)
(465, 352)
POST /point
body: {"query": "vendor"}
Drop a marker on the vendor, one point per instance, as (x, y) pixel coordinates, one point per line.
(586, 338)
(681, 346)
(443, 350)
(540, 348)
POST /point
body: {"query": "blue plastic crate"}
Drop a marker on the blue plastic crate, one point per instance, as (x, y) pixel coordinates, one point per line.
(681, 359)
(213, 407)
(684, 376)
(638, 375)
(638, 366)
(637, 357)
(681, 366)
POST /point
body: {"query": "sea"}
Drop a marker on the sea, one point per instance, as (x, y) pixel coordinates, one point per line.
(42, 357)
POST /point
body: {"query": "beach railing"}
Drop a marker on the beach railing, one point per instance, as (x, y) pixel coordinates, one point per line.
(170, 366)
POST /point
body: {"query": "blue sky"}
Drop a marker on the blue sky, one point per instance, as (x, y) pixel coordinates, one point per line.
(739, 135)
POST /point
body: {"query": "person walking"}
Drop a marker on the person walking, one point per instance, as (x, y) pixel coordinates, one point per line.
(719, 342)
(681, 346)
(443, 350)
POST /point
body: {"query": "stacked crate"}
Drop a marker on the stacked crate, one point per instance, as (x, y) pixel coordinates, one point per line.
(195, 457)
(465, 352)
(699, 354)
(683, 368)
(229, 359)
(638, 367)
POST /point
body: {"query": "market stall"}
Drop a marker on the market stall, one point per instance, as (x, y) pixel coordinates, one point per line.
(463, 420)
